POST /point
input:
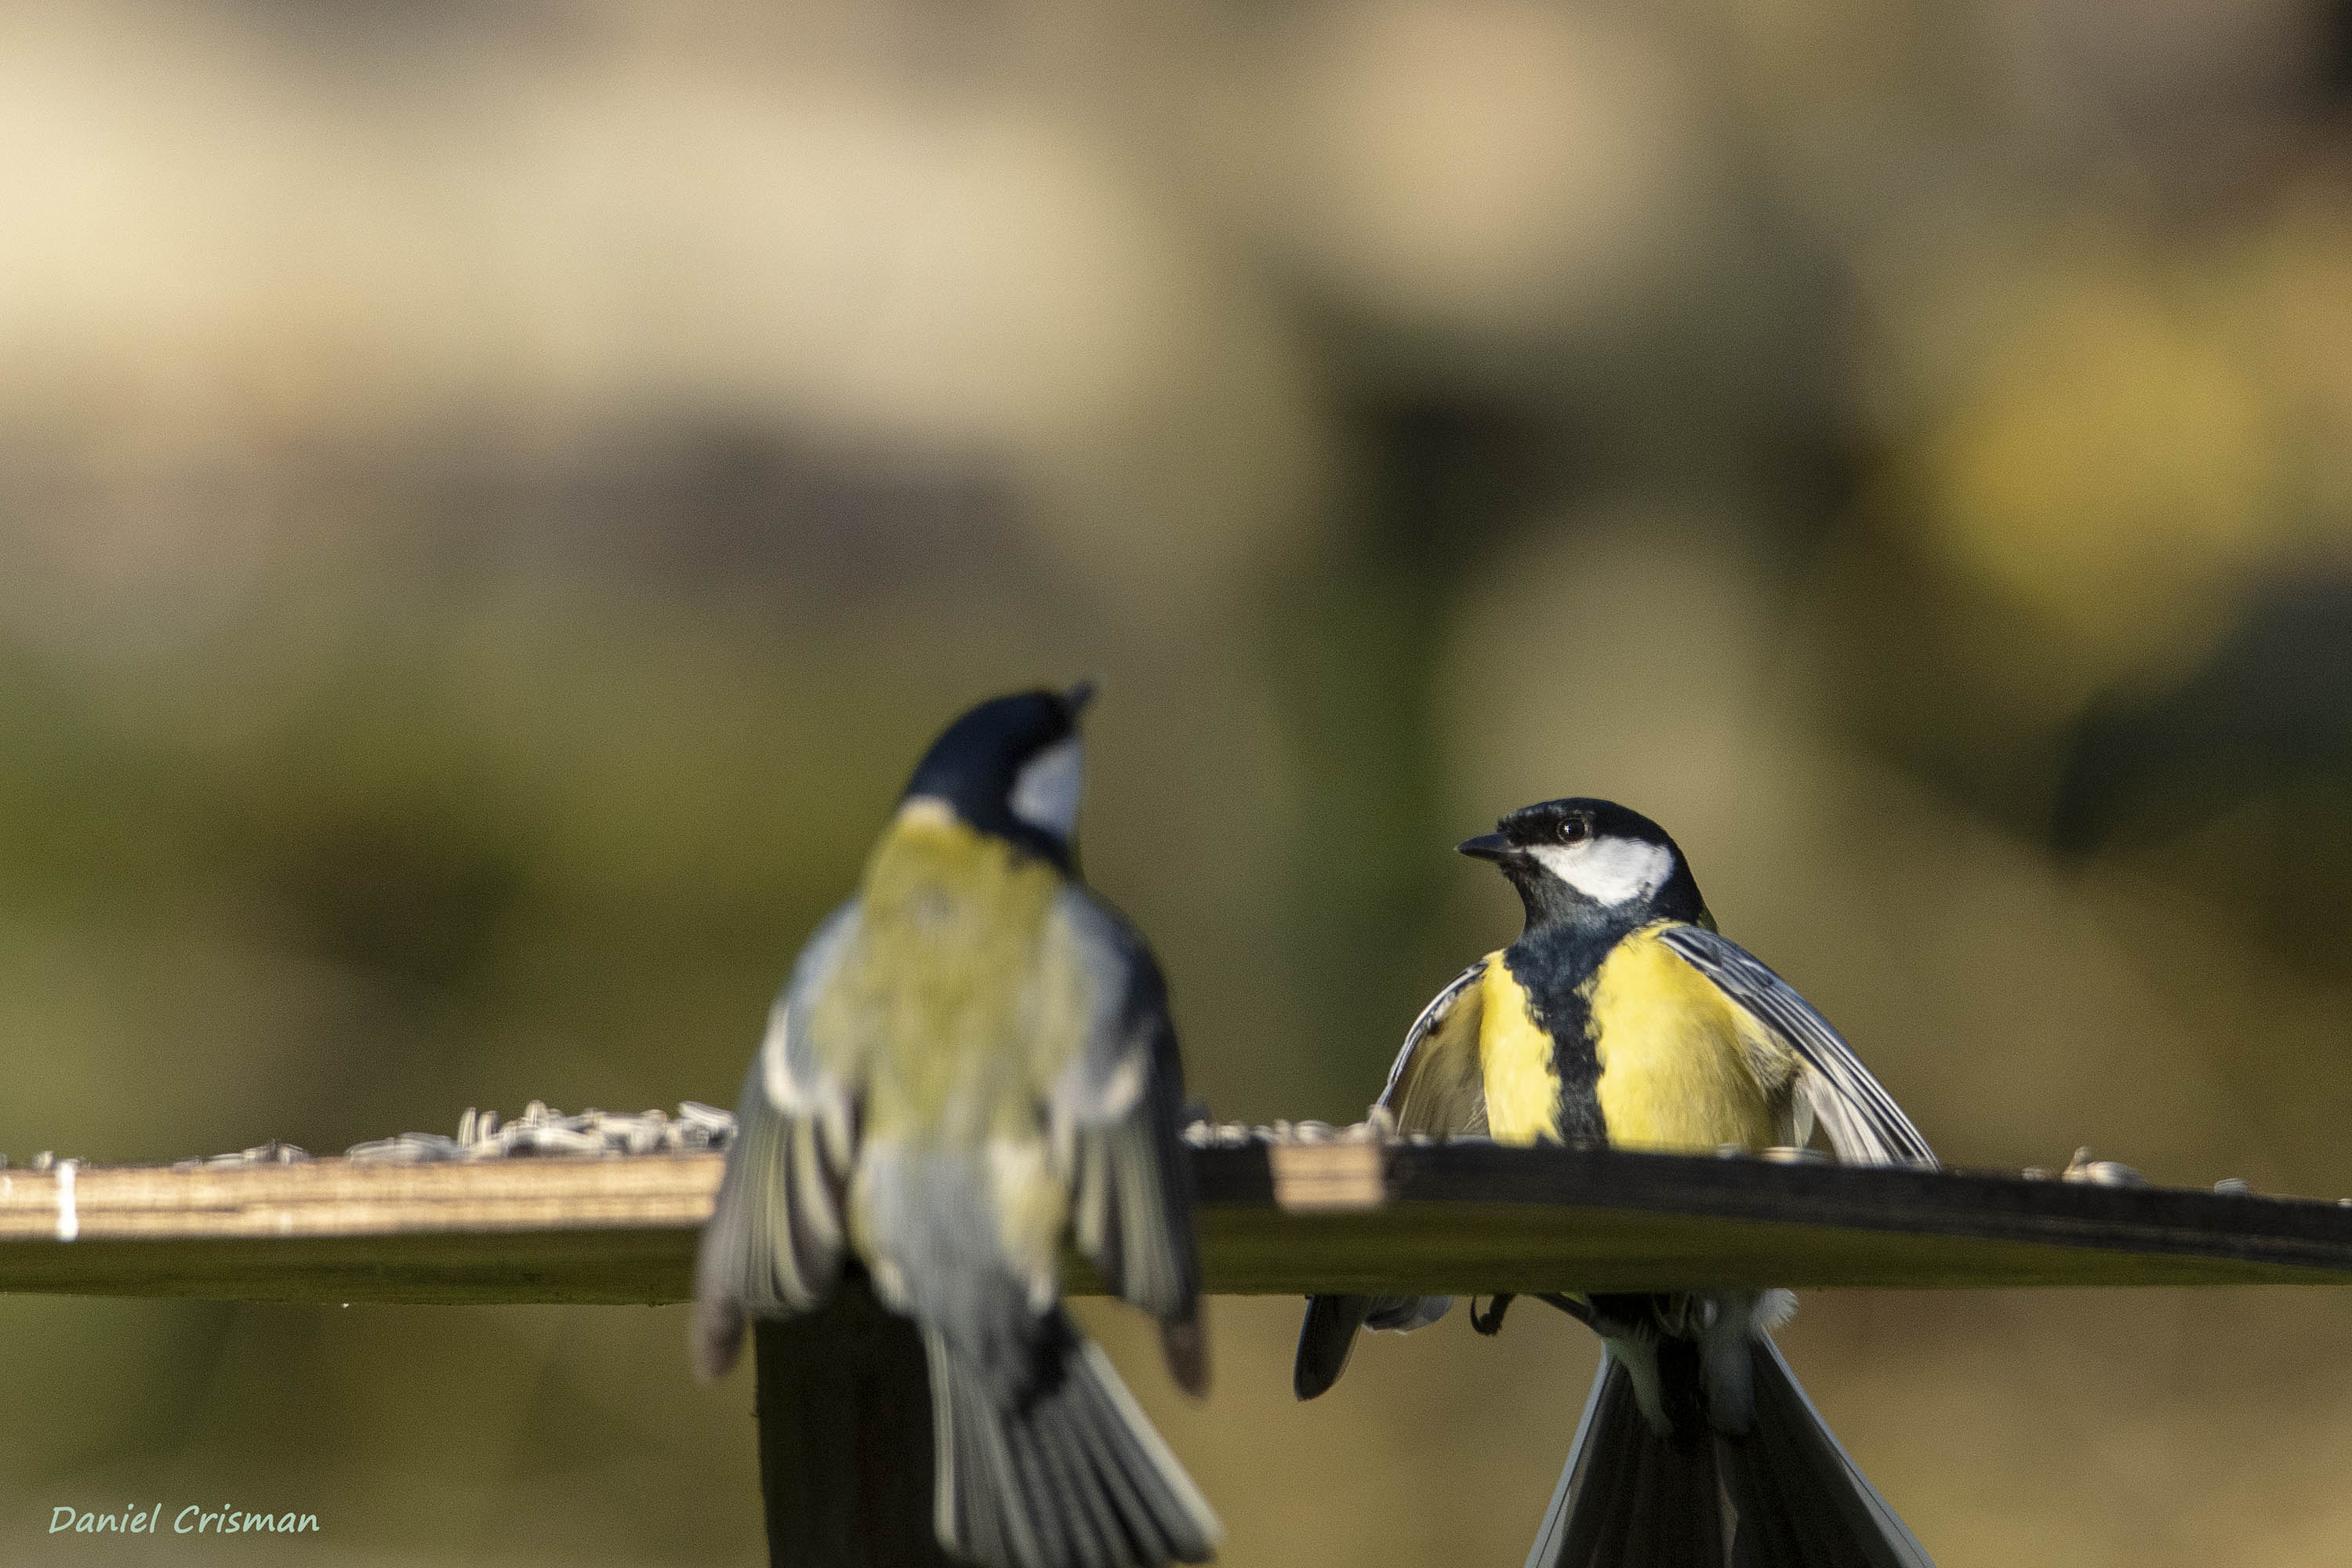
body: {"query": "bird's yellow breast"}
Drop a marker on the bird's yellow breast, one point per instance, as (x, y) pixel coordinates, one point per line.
(1515, 1058)
(1674, 1073)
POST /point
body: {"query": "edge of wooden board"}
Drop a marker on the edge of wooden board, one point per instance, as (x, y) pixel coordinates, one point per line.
(1276, 1219)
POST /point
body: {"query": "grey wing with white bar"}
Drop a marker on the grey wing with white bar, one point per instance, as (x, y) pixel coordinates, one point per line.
(1437, 1085)
(1115, 1112)
(1864, 1124)
(772, 1246)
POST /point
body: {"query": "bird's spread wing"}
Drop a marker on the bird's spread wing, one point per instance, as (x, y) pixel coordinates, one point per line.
(773, 1244)
(1438, 1085)
(1865, 1125)
(1116, 1106)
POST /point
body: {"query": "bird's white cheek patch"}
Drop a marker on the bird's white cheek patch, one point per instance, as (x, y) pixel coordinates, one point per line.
(1608, 870)
(1045, 793)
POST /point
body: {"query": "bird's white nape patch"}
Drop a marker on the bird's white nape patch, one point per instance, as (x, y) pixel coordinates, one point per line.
(1609, 871)
(926, 810)
(1045, 792)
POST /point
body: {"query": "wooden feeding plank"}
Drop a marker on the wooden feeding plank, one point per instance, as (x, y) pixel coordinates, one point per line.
(1276, 1219)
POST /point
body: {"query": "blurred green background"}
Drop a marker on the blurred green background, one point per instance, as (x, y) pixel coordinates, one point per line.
(494, 497)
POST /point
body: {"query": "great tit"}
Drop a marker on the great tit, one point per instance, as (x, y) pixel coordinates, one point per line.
(1621, 1015)
(972, 1062)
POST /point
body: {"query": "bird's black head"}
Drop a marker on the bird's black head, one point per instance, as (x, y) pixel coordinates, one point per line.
(1583, 860)
(1015, 767)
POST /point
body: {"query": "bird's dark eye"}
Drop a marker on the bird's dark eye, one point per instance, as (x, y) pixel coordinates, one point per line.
(1575, 830)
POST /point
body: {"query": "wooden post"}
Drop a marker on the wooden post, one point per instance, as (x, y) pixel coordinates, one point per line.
(845, 1448)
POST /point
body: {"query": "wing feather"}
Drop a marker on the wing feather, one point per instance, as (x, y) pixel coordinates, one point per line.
(773, 1244)
(1438, 1084)
(1115, 1109)
(1864, 1124)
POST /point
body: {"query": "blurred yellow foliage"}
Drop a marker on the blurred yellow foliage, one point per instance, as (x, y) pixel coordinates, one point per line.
(2113, 462)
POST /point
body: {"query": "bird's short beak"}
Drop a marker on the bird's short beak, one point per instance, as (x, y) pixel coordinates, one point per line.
(1077, 698)
(1485, 847)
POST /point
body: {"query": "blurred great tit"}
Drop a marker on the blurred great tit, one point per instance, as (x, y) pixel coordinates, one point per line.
(972, 1062)
(1620, 1015)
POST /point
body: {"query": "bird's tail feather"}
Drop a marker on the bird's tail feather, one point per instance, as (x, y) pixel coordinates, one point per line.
(1782, 1495)
(1325, 1337)
(1629, 1496)
(1801, 1479)
(1074, 1477)
(1329, 1332)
